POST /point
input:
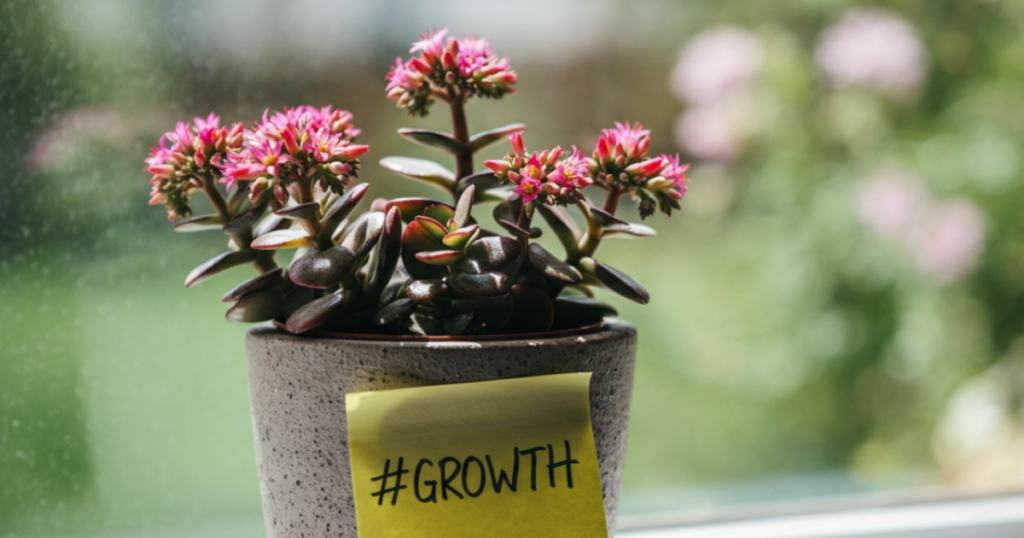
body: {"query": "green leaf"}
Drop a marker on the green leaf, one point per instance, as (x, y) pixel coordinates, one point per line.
(634, 230)
(363, 234)
(395, 311)
(299, 212)
(608, 221)
(260, 305)
(483, 181)
(564, 227)
(421, 169)
(490, 254)
(433, 139)
(316, 313)
(435, 228)
(439, 257)
(552, 267)
(426, 290)
(416, 239)
(244, 221)
(583, 308)
(616, 280)
(480, 141)
(199, 224)
(389, 250)
(461, 237)
(343, 207)
(265, 280)
(322, 270)
(281, 239)
(226, 260)
(463, 207)
(267, 224)
(488, 284)
(410, 208)
(440, 212)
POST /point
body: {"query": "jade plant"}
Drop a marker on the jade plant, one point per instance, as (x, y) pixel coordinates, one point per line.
(412, 265)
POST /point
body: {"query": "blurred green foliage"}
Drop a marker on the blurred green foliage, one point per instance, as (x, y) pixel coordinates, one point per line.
(786, 343)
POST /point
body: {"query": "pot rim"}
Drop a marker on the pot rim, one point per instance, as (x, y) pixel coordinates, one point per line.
(546, 335)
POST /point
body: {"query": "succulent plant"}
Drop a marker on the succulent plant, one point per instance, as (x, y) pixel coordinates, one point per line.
(412, 265)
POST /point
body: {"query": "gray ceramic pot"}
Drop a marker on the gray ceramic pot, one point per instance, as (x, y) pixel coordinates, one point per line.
(297, 388)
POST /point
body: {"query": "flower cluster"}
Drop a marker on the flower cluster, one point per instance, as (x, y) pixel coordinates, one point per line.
(452, 70)
(621, 164)
(543, 174)
(300, 144)
(197, 150)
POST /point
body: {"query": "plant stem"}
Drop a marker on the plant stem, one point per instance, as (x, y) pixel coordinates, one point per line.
(588, 245)
(216, 200)
(523, 221)
(460, 131)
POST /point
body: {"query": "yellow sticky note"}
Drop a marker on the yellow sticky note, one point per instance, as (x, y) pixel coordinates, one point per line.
(507, 458)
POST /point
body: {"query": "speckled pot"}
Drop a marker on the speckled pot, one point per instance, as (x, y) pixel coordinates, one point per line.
(297, 388)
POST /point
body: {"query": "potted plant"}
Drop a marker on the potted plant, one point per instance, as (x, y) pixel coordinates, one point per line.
(412, 291)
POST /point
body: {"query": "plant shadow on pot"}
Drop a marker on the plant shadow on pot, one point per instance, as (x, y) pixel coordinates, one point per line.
(298, 385)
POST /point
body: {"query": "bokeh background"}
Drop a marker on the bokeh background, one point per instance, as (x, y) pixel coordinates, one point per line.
(837, 312)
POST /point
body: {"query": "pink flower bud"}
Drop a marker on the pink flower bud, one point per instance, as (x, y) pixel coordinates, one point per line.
(602, 150)
(339, 169)
(448, 61)
(514, 177)
(280, 193)
(554, 155)
(517, 144)
(349, 153)
(200, 159)
(290, 137)
(161, 170)
(647, 168)
(499, 167)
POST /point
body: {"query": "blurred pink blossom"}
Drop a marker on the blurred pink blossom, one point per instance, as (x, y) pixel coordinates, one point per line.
(56, 143)
(718, 131)
(891, 203)
(950, 241)
(717, 62)
(875, 49)
(945, 239)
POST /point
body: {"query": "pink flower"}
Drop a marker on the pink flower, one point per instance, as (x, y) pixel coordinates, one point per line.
(715, 63)
(517, 144)
(674, 171)
(873, 48)
(474, 53)
(623, 140)
(528, 188)
(432, 45)
(891, 203)
(950, 241)
(402, 79)
(572, 173)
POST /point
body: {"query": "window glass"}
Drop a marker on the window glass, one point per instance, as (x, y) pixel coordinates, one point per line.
(836, 311)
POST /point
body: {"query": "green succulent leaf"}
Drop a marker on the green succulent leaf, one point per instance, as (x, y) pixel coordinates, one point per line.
(417, 239)
(396, 311)
(421, 169)
(316, 313)
(363, 234)
(200, 224)
(260, 305)
(585, 309)
(457, 324)
(282, 239)
(224, 261)
(461, 237)
(343, 207)
(616, 280)
(426, 290)
(267, 224)
(439, 257)
(487, 284)
(440, 212)
(322, 270)
(410, 208)
(552, 267)
(480, 141)
(634, 230)
(607, 220)
(483, 181)
(299, 212)
(433, 139)
(432, 226)
(389, 250)
(464, 207)
(264, 280)
(244, 221)
(564, 227)
(490, 254)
